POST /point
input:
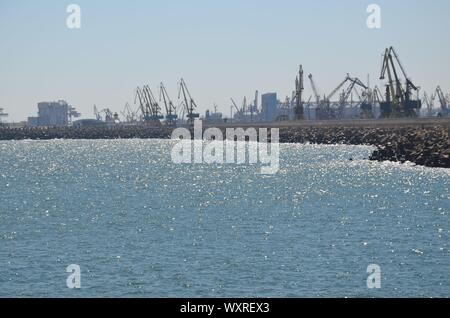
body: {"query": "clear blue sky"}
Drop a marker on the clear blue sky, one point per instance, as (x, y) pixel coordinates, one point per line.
(223, 48)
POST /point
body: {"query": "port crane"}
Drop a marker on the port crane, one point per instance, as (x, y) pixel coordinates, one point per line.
(155, 110)
(444, 103)
(398, 99)
(365, 102)
(238, 111)
(109, 115)
(129, 114)
(347, 93)
(314, 88)
(322, 107)
(171, 116)
(189, 102)
(338, 88)
(142, 105)
(352, 88)
(429, 102)
(377, 95)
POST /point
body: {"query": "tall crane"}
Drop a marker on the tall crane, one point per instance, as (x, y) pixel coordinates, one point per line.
(378, 96)
(442, 100)
(142, 104)
(352, 88)
(235, 106)
(299, 88)
(155, 110)
(171, 112)
(338, 88)
(189, 102)
(314, 88)
(429, 102)
(398, 99)
(323, 109)
(129, 114)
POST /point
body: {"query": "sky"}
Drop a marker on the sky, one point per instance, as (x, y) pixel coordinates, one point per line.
(222, 48)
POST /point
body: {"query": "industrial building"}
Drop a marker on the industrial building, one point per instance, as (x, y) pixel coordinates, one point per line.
(269, 104)
(53, 114)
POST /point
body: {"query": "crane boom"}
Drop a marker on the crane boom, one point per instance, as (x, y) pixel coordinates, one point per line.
(190, 105)
(441, 97)
(235, 106)
(338, 88)
(314, 88)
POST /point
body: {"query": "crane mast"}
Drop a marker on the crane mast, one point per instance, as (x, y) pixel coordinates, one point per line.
(299, 87)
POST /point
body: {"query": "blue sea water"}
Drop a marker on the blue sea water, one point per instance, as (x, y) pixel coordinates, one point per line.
(139, 225)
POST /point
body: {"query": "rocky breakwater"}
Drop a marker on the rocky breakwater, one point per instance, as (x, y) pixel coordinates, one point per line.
(426, 146)
(423, 146)
(114, 132)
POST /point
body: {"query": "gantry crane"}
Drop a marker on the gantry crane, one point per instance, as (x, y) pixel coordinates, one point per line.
(347, 78)
(323, 108)
(145, 109)
(354, 82)
(129, 114)
(398, 99)
(171, 112)
(155, 110)
(109, 115)
(443, 101)
(189, 102)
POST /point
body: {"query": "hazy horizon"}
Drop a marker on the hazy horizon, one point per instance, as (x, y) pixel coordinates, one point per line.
(222, 49)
